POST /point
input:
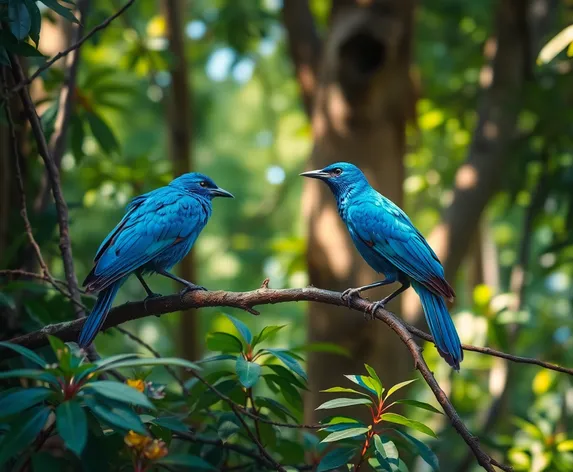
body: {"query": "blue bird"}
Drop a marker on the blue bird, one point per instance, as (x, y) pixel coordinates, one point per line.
(392, 246)
(157, 231)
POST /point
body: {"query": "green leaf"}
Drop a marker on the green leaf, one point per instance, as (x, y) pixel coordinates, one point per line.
(345, 434)
(399, 419)
(22, 399)
(344, 390)
(343, 402)
(365, 382)
(21, 48)
(102, 133)
(336, 458)
(332, 428)
(398, 387)
(118, 392)
(291, 394)
(242, 329)
(267, 333)
(36, 20)
(27, 353)
(105, 361)
(276, 407)
(417, 404)
(378, 386)
(72, 426)
(24, 373)
(386, 452)
(186, 460)
(227, 429)
(77, 134)
(288, 360)
(286, 374)
(224, 342)
(119, 417)
(60, 10)
(61, 351)
(248, 372)
(172, 423)
(23, 433)
(151, 361)
(331, 420)
(422, 450)
(18, 18)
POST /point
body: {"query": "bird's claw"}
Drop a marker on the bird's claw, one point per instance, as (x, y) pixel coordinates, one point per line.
(349, 294)
(191, 288)
(371, 310)
(150, 297)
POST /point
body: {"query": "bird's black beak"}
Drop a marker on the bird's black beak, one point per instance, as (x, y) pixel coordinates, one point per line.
(316, 174)
(219, 192)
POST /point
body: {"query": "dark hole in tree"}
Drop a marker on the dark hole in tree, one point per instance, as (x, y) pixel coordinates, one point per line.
(363, 52)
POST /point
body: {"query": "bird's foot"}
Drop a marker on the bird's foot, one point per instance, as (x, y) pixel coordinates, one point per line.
(191, 288)
(151, 296)
(370, 312)
(349, 294)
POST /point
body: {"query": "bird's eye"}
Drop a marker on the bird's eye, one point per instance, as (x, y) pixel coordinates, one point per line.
(203, 184)
(337, 172)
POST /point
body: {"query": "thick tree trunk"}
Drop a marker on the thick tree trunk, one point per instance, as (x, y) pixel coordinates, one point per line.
(361, 104)
(179, 118)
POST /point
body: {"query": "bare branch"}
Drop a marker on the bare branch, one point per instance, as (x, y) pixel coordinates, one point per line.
(23, 82)
(54, 177)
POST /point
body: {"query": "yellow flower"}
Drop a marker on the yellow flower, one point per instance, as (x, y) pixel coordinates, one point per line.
(155, 450)
(137, 384)
(137, 441)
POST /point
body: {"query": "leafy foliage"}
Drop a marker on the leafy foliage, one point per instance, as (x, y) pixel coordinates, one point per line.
(373, 443)
(187, 428)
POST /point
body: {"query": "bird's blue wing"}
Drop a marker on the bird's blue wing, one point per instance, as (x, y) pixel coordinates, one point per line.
(152, 225)
(388, 232)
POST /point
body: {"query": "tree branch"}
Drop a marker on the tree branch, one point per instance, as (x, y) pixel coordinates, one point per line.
(23, 207)
(68, 331)
(54, 178)
(23, 82)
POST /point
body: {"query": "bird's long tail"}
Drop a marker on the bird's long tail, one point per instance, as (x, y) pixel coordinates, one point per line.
(441, 326)
(98, 315)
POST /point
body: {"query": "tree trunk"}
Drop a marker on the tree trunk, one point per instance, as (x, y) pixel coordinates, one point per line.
(361, 102)
(179, 118)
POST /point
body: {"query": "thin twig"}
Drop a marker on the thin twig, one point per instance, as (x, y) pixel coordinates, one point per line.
(23, 82)
(15, 274)
(54, 177)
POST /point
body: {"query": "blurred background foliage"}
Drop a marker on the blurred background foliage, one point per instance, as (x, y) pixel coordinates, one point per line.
(251, 134)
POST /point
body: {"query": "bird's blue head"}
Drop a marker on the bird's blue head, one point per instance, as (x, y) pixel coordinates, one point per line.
(199, 184)
(341, 177)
